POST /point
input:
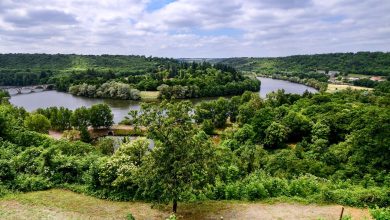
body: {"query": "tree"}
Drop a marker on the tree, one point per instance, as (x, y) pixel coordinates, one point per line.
(181, 163)
(208, 127)
(101, 116)
(3, 124)
(298, 124)
(80, 118)
(275, 134)
(38, 123)
(84, 135)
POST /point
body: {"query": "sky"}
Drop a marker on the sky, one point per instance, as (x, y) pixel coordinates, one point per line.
(194, 28)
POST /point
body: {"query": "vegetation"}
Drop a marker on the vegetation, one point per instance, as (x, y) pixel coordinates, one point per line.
(324, 148)
(367, 63)
(115, 90)
(328, 148)
(60, 119)
(123, 77)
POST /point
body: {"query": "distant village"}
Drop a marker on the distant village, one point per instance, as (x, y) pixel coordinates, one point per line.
(338, 77)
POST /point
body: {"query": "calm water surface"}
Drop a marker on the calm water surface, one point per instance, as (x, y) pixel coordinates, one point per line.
(269, 85)
(120, 108)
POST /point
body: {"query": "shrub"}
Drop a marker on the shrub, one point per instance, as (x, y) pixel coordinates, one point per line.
(25, 183)
(38, 123)
(7, 172)
(255, 190)
(232, 191)
(380, 213)
(304, 186)
(130, 217)
(106, 145)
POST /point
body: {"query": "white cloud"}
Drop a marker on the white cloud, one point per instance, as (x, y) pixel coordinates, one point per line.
(194, 28)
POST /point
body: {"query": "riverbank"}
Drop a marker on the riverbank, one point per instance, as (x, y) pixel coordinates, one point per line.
(64, 204)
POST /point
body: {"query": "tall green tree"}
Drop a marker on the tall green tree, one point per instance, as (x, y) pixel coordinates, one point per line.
(182, 161)
(101, 116)
(80, 118)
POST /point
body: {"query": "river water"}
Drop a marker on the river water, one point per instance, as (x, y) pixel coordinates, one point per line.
(120, 108)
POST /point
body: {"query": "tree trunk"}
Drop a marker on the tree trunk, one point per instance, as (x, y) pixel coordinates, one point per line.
(174, 208)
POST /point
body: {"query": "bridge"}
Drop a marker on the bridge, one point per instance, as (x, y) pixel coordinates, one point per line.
(27, 89)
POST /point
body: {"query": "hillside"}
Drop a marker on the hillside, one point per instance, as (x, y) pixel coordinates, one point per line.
(39, 62)
(368, 63)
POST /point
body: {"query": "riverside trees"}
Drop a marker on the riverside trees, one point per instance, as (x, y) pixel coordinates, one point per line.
(99, 115)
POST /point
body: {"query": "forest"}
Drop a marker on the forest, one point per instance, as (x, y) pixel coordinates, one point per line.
(323, 148)
(123, 77)
(367, 63)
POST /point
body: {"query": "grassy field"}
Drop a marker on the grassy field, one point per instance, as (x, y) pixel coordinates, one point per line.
(336, 87)
(64, 204)
(149, 95)
(359, 75)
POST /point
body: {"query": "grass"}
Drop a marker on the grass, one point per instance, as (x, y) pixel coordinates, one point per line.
(64, 204)
(336, 87)
(359, 75)
(149, 95)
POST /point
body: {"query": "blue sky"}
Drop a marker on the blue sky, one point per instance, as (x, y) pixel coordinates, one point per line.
(194, 28)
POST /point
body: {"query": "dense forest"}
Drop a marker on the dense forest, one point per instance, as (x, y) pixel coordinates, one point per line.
(367, 63)
(122, 77)
(326, 148)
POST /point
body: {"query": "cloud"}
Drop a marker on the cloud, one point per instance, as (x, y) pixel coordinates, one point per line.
(40, 17)
(194, 28)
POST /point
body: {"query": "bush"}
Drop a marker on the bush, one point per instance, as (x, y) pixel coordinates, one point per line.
(25, 183)
(304, 186)
(255, 190)
(130, 217)
(38, 123)
(7, 172)
(380, 213)
(208, 127)
(106, 145)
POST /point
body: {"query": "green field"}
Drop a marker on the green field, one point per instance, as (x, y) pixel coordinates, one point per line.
(149, 95)
(336, 87)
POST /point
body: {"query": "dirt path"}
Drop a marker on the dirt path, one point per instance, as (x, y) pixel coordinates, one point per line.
(290, 211)
(63, 204)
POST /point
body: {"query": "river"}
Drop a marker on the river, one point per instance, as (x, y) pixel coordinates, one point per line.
(120, 108)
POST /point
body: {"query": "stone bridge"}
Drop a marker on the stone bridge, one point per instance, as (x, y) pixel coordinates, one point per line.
(27, 89)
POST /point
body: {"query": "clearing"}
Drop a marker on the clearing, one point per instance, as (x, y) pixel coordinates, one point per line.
(149, 95)
(64, 204)
(337, 87)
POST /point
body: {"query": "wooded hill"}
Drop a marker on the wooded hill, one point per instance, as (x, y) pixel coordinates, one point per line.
(369, 63)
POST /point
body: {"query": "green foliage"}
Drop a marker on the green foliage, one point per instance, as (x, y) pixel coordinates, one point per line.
(113, 90)
(275, 135)
(208, 126)
(130, 217)
(327, 148)
(106, 145)
(370, 63)
(38, 123)
(80, 118)
(84, 135)
(101, 116)
(181, 162)
(380, 213)
(32, 183)
(59, 117)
